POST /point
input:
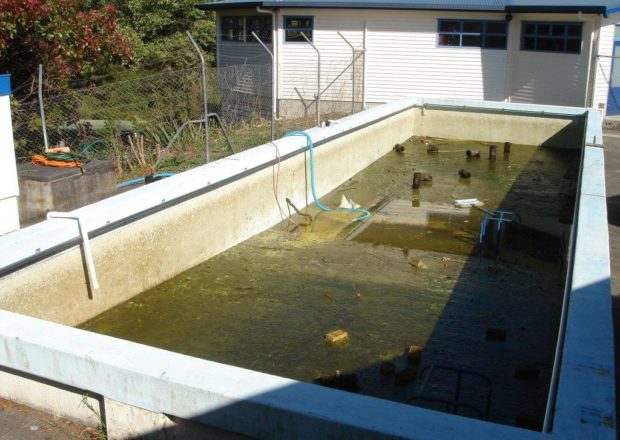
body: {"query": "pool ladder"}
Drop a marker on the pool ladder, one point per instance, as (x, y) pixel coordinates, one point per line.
(454, 404)
(499, 217)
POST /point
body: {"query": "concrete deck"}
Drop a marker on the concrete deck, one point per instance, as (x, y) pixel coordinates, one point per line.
(23, 423)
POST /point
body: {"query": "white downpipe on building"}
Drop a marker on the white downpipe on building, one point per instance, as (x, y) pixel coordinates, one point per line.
(9, 189)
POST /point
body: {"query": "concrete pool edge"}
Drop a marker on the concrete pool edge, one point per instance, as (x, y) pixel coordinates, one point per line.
(255, 404)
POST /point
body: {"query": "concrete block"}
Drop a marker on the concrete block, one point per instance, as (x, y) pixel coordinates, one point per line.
(44, 189)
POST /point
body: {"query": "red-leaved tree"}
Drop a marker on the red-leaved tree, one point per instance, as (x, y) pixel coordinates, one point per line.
(68, 39)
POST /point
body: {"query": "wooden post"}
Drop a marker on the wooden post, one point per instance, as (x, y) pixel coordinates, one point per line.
(507, 146)
(492, 152)
(417, 177)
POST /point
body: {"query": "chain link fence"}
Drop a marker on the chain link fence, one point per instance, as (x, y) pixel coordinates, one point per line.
(134, 121)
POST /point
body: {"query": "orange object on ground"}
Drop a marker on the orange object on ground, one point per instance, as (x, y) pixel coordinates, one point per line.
(39, 160)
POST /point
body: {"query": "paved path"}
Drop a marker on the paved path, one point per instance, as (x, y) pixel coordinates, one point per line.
(18, 422)
(612, 180)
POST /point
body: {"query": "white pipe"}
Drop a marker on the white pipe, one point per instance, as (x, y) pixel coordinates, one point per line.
(364, 66)
(274, 54)
(90, 264)
(591, 74)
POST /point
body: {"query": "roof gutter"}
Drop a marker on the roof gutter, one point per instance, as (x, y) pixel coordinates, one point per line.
(557, 9)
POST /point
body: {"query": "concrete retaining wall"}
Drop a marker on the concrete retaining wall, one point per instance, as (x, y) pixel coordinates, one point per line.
(148, 235)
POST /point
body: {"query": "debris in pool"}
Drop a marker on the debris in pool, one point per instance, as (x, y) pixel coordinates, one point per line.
(426, 178)
(405, 251)
(406, 376)
(347, 204)
(399, 148)
(432, 149)
(337, 336)
(387, 368)
(414, 353)
(345, 382)
(507, 146)
(418, 264)
(464, 174)
(467, 203)
(417, 178)
(527, 372)
(496, 334)
(445, 261)
(492, 152)
(473, 154)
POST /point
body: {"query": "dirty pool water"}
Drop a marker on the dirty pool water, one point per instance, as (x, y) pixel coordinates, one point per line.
(409, 275)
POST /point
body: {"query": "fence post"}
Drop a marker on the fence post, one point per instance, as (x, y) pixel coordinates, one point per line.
(41, 109)
(353, 75)
(203, 71)
(273, 83)
(318, 89)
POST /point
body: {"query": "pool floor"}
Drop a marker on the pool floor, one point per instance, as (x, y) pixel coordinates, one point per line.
(410, 275)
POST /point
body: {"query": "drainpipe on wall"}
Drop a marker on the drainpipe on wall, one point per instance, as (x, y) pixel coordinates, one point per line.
(9, 188)
(592, 67)
(274, 68)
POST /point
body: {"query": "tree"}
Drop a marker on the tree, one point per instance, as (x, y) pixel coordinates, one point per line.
(157, 30)
(67, 38)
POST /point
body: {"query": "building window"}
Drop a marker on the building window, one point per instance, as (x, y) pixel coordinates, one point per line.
(551, 37)
(261, 25)
(232, 28)
(294, 26)
(472, 33)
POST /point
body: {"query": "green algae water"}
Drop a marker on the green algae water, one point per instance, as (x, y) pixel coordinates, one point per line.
(412, 274)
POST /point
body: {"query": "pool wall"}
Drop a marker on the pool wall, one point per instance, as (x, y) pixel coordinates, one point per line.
(148, 235)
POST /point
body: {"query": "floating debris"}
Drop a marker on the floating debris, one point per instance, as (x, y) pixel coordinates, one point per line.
(417, 178)
(337, 336)
(345, 382)
(347, 203)
(399, 148)
(492, 152)
(467, 203)
(473, 154)
(464, 174)
(507, 146)
(414, 353)
(418, 264)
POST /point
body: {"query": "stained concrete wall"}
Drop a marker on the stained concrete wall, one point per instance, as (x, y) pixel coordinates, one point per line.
(142, 390)
(146, 252)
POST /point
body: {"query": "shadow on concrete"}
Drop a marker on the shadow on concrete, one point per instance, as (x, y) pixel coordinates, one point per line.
(613, 210)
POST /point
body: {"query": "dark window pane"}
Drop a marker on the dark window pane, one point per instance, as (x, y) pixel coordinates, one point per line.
(496, 28)
(449, 40)
(232, 28)
(529, 43)
(558, 30)
(530, 29)
(474, 27)
(573, 46)
(296, 35)
(449, 26)
(495, 42)
(574, 30)
(543, 29)
(472, 40)
(550, 44)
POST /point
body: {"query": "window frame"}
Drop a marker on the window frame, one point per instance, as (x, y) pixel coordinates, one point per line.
(248, 28)
(550, 36)
(300, 17)
(482, 34)
(223, 36)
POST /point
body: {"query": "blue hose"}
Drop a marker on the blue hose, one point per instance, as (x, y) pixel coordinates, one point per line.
(141, 179)
(365, 214)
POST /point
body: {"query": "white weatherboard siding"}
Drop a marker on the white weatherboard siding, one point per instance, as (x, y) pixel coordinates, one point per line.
(603, 64)
(546, 77)
(252, 54)
(402, 57)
